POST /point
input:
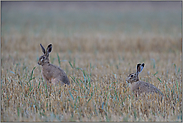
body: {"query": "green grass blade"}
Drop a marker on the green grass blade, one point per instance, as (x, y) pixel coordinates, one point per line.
(116, 94)
(58, 60)
(71, 64)
(159, 79)
(18, 111)
(71, 95)
(154, 63)
(175, 68)
(90, 97)
(12, 72)
(83, 83)
(177, 89)
(155, 73)
(75, 102)
(32, 73)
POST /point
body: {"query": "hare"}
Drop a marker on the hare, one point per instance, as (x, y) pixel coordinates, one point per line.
(138, 86)
(51, 73)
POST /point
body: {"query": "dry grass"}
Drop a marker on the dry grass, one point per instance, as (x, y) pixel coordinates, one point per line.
(99, 93)
(97, 64)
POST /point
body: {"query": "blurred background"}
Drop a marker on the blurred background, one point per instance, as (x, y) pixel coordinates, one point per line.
(69, 18)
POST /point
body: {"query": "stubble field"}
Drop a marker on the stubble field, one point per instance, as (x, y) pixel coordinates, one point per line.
(97, 45)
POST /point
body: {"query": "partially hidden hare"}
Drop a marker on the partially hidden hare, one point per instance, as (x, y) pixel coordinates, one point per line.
(51, 73)
(138, 86)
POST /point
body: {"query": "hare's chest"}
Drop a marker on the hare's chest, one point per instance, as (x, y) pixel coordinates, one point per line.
(46, 73)
(133, 86)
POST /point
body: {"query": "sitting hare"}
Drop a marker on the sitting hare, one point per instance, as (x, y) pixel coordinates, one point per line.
(51, 73)
(138, 86)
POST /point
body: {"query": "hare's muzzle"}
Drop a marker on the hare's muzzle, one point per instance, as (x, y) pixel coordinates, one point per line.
(127, 80)
(39, 63)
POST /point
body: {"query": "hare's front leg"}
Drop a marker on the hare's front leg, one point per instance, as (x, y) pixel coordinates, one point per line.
(46, 80)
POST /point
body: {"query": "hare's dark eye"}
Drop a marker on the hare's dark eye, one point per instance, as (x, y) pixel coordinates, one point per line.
(131, 75)
(43, 57)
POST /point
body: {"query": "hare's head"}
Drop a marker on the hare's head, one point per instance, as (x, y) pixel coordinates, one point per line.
(45, 57)
(133, 77)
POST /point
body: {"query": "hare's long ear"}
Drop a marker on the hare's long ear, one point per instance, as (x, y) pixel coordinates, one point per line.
(140, 68)
(43, 49)
(48, 50)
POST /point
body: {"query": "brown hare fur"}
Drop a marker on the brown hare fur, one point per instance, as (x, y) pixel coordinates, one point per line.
(51, 73)
(139, 87)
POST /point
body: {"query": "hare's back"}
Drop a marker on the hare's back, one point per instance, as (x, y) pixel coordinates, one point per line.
(142, 86)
